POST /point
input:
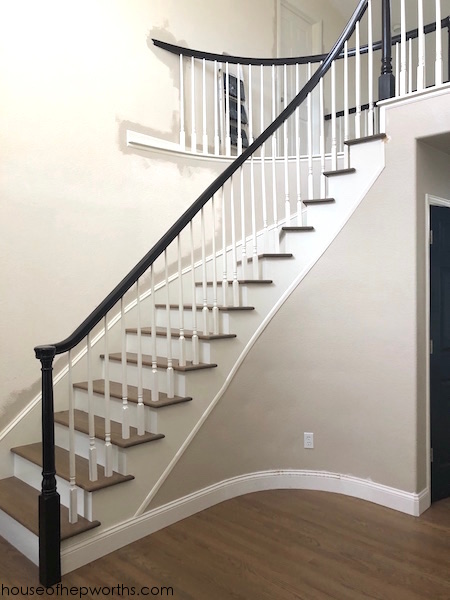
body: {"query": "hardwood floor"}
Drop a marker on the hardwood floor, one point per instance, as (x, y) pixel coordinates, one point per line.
(277, 545)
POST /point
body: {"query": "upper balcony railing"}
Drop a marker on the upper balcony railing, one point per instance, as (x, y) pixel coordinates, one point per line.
(223, 119)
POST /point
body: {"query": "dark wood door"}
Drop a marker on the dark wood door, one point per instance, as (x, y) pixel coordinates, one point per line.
(440, 356)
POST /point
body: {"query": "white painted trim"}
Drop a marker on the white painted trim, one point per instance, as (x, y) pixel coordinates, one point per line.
(20, 537)
(433, 92)
(111, 539)
(316, 27)
(429, 202)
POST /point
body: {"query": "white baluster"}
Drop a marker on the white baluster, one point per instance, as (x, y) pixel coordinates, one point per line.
(287, 198)
(346, 101)
(370, 114)
(297, 151)
(410, 70)
(224, 250)
(182, 131)
(93, 473)
(216, 112)
(274, 114)
(263, 166)
(194, 341)
(255, 268)
(239, 117)
(73, 497)
(310, 142)
(233, 245)
(205, 310)
(250, 105)
(358, 82)
(397, 70)
(261, 108)
(170, 373)
(193, 107)
(215, 310)
(125, 415)
(274, 153)
(243, 234)
(421, 57)
(140, 414)
(205, 134)
(439, 64)
(181, 340)
(108, 445)
(333, 117)
(155, 383)
(227, 111)
(322, 140)
(403, 70)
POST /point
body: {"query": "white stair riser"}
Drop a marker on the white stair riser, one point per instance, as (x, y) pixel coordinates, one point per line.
(20, 537)
(82, 448)
(32, 475)
(162, 345)
(188, 319)
(115, 374)
(116, 411)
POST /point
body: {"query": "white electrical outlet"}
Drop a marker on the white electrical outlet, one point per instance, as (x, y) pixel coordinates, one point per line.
(308, 440)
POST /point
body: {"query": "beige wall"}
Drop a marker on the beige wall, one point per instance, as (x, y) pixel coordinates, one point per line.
(345, 356)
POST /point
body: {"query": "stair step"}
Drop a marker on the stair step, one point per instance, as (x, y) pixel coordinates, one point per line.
(280, 255)
(367, 138)
(81, 420)
(161, 362)
(162, 332)
(20, 501)
(199, 306)
(240, 281)
(339, 172)
(115, 391)
(314, 201)
(298, 228)
(33, 453)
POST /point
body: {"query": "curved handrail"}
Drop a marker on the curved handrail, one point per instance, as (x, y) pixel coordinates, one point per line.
(118, 292)
(299, 60)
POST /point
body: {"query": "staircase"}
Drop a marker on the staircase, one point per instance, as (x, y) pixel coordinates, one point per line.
(142, 460)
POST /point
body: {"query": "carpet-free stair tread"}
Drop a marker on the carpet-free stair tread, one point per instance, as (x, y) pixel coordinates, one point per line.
(20, 501)
(280, 255)
(199, 306)
(115, 391)
(33, 453)
(314, 201)
(367, 138)
(339, 172)
(240, 281)
(161, 362)
(298, 228)
(81, 422)
(162, 332)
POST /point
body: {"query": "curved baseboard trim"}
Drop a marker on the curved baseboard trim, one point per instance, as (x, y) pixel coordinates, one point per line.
(104, 542)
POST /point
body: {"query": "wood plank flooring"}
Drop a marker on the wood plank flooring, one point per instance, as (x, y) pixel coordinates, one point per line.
(278, 545)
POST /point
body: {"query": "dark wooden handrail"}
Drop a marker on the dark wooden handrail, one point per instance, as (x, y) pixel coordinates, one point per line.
(49, 502)
(299, 60)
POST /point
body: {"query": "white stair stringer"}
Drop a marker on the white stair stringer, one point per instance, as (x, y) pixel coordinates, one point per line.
(152, 463)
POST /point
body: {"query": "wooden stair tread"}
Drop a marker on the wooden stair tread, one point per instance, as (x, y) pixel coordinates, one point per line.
(81, 421)
(115, 391)
(240, 281)
(20, 501)
(162, 332)
(314, 201)
(297, 228)
(33, 453)
(367, 138)
(339, 172)
(161, 362)
(199, 306)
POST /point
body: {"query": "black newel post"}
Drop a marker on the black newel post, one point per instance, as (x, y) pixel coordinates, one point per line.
(49, 503)
(386, 81)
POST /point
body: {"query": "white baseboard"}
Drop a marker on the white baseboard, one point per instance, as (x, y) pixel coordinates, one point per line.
(77, 554)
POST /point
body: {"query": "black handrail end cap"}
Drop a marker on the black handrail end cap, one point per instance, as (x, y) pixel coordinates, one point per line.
(43, 352)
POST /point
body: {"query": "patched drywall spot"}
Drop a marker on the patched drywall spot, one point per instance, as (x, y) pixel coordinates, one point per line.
(17, 401)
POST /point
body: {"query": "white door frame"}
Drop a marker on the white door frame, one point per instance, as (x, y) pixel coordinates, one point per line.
(316, 27)
(430, 201)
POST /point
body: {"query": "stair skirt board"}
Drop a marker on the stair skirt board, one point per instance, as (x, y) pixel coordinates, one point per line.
(125, 530)
(102, 543)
